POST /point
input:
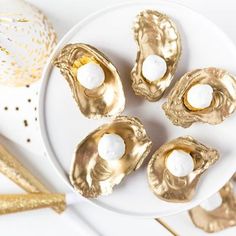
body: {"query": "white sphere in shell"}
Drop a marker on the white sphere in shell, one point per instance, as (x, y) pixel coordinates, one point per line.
(154, 67)
(111, 147)
(91, 75)
(212, 202)
(27, 39)
(179, 163)
(200, 96)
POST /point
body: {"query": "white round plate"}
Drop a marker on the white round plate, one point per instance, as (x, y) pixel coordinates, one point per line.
(63, 126)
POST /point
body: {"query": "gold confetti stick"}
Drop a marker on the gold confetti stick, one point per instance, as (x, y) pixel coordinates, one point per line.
(12, 203)
(14, 170)
(166, 226)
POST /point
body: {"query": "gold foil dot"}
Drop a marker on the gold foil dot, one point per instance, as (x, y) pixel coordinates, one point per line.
(22, 20)
(26, 123)
(29, 100)
(17, 108)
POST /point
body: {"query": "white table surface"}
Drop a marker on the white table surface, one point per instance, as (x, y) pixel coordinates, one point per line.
(64, 14)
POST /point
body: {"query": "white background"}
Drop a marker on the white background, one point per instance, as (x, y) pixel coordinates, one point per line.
(64, 14)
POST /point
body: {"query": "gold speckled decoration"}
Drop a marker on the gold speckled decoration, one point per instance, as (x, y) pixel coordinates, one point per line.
(27, 38)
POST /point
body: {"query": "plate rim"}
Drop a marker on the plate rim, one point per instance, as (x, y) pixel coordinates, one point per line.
(48, 149)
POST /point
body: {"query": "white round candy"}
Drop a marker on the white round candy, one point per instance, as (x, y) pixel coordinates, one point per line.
(200, 96)
(111, 147)
(212, 203)
(154, 67)
(91, 75)
(179, 163)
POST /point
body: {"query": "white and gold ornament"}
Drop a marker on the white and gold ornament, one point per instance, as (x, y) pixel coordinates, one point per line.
(27, 39)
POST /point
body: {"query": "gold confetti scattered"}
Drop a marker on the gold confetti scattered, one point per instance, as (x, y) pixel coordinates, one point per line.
(4, 50)
(26, 123)
(22, 20)
(9, 20)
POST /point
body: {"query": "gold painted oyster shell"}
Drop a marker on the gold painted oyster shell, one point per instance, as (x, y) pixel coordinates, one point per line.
(223, 103)
(155, 33)
(220, 218)
(106, 100)
(91, 175)
(179, 189)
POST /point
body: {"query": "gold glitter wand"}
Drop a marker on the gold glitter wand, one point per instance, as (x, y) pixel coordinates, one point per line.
(14, 170)
(12, 203)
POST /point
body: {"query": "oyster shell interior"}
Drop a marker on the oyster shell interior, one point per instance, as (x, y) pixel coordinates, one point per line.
(105, 100)
(220, 218)
(155, 34)
(91, 175)
(223, 103)
(179, 189)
